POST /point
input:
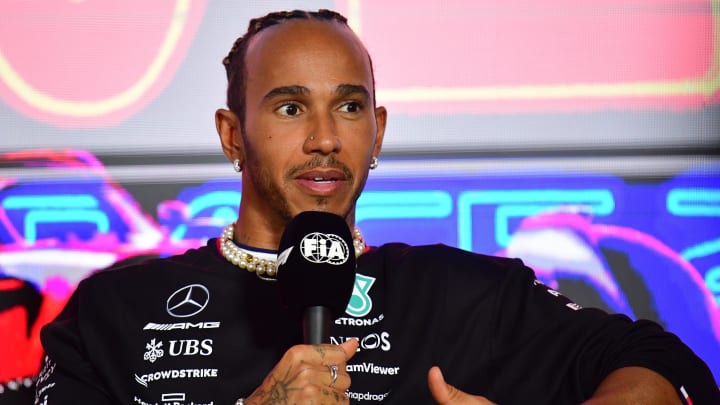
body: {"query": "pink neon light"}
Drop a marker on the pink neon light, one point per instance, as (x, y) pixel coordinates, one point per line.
(465, 44)
(90, 51)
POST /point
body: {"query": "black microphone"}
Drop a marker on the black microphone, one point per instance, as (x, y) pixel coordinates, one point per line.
(316, 271)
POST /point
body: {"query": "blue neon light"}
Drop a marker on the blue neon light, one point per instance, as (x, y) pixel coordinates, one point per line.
(694, 202)
(214, 199)
(33, 218)
(521, 203)
(403, 204)
(179, 232)
(712, 280)
(703, 249)
(50, 201)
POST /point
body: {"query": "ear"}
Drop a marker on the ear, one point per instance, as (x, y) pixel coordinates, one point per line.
(230, 132)
(380, 121)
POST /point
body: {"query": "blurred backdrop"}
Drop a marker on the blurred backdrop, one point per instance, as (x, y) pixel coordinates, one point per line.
(579, 135)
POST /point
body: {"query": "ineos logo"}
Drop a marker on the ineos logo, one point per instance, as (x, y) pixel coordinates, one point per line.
(188, 301)
(319, 247)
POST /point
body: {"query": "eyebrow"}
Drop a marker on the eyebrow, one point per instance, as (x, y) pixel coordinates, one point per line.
(342, 90)
(295, 90)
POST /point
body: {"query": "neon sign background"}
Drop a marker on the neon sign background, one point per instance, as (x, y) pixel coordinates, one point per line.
(580, 136)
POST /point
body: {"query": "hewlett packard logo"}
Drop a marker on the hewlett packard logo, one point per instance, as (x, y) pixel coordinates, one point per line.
(319, 247)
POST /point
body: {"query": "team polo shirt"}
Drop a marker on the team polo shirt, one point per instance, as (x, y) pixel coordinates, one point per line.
(193, 330)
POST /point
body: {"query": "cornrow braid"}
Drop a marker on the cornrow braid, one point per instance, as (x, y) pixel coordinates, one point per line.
(258, 24)
(234, 62)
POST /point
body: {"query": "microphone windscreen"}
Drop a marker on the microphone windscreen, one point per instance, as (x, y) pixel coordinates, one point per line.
(316, 263)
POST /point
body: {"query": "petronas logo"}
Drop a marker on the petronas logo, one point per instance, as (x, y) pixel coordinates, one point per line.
(360, 303)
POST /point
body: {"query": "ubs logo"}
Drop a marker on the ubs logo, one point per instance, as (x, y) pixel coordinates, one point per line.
(188, 301)
(183, 347)
(319, 247)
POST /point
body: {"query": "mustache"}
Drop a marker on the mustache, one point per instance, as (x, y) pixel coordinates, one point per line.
(325, 162)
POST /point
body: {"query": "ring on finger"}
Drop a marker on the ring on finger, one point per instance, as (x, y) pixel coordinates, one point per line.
(333, 374)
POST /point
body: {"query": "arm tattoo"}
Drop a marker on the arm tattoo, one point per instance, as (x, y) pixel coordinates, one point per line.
(280, 388)
(320, 350)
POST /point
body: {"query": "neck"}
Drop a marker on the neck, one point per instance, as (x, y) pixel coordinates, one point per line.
(266, 269)
(252, 228)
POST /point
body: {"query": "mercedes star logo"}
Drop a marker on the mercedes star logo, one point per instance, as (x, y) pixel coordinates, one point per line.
(188, 301)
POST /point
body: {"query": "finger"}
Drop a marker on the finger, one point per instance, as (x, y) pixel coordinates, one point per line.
(324, 354)
(349, 347)
(340, 381)
(439, 389)
(320, 376)
(323, 379)
(446, 394)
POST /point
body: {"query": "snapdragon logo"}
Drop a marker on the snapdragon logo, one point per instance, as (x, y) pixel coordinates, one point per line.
(329, 248)
(360, 303)
(367, 396)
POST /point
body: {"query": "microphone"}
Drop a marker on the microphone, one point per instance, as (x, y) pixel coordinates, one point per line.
(316, 271)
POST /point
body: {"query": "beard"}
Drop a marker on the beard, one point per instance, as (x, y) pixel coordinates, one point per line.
(277, 196)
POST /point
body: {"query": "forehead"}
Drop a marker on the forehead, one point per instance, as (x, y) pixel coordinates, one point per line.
(307, 52)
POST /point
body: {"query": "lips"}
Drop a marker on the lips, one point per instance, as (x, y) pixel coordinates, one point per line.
(322, 182)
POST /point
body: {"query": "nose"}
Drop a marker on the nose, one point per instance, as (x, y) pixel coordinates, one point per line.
(322, 135)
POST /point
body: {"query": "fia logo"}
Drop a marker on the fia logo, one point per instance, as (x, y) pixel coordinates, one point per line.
(319, 247)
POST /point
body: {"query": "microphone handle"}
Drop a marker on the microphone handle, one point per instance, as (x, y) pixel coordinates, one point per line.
(316, 325)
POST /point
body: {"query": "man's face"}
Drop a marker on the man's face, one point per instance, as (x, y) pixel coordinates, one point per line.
(310, 128)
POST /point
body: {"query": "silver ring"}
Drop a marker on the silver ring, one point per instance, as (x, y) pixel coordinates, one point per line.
(333, 373)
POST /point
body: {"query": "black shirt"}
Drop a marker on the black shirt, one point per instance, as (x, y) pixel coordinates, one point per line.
(194, 329)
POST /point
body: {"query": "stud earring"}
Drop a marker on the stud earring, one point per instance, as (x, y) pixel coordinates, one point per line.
(373, 163)
(236, 165)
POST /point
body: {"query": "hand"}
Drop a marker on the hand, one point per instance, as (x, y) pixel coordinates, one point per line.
(446, 394)
(303, 376)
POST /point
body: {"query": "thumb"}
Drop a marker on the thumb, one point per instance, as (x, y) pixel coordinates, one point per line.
(446, 394)
(350, 348)
(440, 390)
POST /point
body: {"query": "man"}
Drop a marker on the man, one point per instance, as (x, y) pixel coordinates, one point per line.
(201, 328)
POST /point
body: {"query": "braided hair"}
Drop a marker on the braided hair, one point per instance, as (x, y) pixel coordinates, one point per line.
(234, 62)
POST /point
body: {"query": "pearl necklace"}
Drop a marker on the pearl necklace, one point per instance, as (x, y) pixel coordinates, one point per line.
(263, 268)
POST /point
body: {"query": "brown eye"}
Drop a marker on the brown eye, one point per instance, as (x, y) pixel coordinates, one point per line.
(351, 107)
(289, 110)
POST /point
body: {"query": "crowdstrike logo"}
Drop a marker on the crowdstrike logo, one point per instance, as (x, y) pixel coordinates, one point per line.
(319, 247)
(145, 379)
(188, 301)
